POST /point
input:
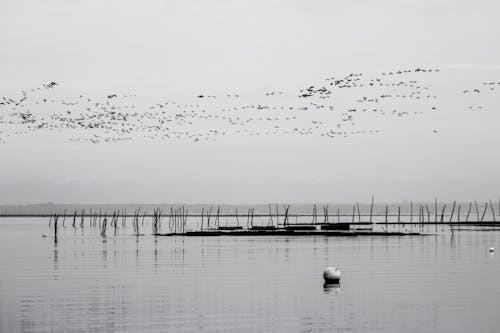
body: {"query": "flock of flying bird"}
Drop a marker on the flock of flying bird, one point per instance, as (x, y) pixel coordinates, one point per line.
(337, 107)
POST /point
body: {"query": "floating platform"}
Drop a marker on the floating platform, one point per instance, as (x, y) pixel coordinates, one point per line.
(263, 227)
(226, 228)
(304, 227)
(336, 226)
(286, 232)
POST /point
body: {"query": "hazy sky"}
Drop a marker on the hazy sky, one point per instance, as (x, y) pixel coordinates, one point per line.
(176, 49)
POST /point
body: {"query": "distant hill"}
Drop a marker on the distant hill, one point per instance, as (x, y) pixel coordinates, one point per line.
(379, 208)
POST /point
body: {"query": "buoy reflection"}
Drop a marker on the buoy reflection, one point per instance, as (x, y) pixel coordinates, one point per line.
(331, 288)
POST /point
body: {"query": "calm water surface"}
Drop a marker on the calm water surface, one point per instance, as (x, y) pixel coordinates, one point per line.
(268, 284)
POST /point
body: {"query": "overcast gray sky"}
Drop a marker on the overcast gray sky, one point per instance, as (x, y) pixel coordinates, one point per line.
(176, 49)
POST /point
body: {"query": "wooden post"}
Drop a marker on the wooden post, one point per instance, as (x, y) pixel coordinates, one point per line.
(55, 228)
(423, 218)
(287, 209)
(124, 218)
(411, 211)
(184, 223)
(359, 212)
(202, 211)
(484, 211)
(423, 214)
(442, 214)
(285, 219)
(103, 228)
(493, 212)
(371, 211)
(270, 216)
(218, 215)
(468, 212)
(435, 210)
(452, 210)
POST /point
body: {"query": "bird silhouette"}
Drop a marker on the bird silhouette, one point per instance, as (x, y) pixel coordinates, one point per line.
(341, 107)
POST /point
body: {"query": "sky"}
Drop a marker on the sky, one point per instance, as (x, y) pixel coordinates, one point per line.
(173, 50)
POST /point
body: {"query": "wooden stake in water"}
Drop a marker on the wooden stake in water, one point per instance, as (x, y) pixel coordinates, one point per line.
(493, 212)
(202, 211)
(452, 211)
(277, 217)
(371, 211)
(435, 210)
(217, 217)
(184, 223)
(251, 217)
(411, 211)
(442, 214)
(468, 212)
(55, 228)
(484, 211)
(271, 221)
(285, 221)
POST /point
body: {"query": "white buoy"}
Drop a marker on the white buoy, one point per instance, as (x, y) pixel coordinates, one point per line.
(331, 275)
(492, 249)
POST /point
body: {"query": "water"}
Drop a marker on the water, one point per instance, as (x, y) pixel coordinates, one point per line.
(267, 284)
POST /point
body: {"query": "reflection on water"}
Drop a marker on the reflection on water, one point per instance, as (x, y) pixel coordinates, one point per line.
(331, 288)
(434, 283)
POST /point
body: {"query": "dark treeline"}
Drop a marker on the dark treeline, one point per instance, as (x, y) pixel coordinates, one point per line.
(474, 209)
